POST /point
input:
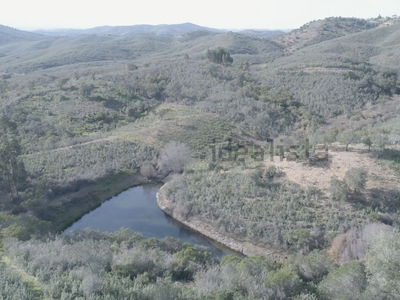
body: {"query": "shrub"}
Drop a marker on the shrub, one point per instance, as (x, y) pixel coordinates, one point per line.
(148, 171)
(284, 282)
(353, 244)
(356, 179)
(314, 266)
(174, 157)
(346, 282)
(382, 263)
(15, 231)
(338, 189)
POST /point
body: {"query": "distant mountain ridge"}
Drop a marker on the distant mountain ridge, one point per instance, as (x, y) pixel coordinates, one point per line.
(163, 29)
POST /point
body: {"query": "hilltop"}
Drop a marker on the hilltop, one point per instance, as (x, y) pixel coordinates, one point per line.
(11, 35)
(316, 32)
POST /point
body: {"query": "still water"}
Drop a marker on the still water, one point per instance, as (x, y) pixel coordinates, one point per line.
(137, 209)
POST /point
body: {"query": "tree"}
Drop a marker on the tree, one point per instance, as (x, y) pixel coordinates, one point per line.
(368, 142)
(347, 137)
(148, 171)
(346, 282)
(380, 141)
(22, 233)
(338, 189)
(220, 56)
(12, 169)
(382, 264)
(356, 178)
(174, 157)
(284, 282)
(314, 266)
(62, 82)
(86, 89)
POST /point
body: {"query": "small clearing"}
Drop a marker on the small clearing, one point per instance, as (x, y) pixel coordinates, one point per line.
(338, 163)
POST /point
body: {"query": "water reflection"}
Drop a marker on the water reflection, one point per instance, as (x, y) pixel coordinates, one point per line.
(137, 209)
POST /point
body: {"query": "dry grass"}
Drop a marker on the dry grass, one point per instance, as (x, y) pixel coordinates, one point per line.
(338, 164)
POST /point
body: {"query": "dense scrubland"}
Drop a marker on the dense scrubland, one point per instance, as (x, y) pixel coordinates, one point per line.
(87, 116)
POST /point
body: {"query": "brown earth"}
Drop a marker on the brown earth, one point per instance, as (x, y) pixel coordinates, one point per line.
(338, 163)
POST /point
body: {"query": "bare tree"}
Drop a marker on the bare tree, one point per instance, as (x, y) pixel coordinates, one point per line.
(174, 157)
(353, 244)
(148, 171)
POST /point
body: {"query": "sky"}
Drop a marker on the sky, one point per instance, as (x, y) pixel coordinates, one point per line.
(256, 14)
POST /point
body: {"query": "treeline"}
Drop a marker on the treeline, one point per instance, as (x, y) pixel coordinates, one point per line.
(124, 265)
(87, 162)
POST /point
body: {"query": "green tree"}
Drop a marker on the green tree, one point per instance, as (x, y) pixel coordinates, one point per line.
(188, 261)
(382, 262)
(86, 89)
(312, 267)
(347, 137)
(380, 141)
(338, 189)
(19, 232)
(356, 179)
(368, 142)
(12, 169)
(220, 56)
(284, 283)
(346, 282)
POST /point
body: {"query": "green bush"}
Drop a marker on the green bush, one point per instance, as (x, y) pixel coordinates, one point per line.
(284, 282)
(338, 190)
(220, 56)
(356, 179)
(346, 282)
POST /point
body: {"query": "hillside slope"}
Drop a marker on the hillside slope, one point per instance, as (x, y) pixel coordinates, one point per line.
(10, 35)
(102, 106)
(322, 30)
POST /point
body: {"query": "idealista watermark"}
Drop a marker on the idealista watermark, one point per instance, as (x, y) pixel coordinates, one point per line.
(239, 151)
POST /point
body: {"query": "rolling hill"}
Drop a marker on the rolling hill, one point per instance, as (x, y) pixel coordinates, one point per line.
(327, 29)
(10, 35)
(163, 29)
(93, 109)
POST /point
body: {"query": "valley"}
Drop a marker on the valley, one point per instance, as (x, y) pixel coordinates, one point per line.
(88, 114)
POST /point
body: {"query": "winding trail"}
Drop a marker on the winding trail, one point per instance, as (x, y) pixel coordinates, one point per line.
(30, 281)
(110, 138)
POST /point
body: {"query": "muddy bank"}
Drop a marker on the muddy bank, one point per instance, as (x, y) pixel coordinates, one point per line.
(201, 226)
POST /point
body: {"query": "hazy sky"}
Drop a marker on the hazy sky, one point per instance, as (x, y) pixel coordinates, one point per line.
(266, 14)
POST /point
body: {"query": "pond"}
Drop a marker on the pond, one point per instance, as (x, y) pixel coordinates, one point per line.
(137, 209)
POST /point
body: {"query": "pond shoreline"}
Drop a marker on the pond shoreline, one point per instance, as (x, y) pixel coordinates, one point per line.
(136, 209)
(94, 195)
(199, 225)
